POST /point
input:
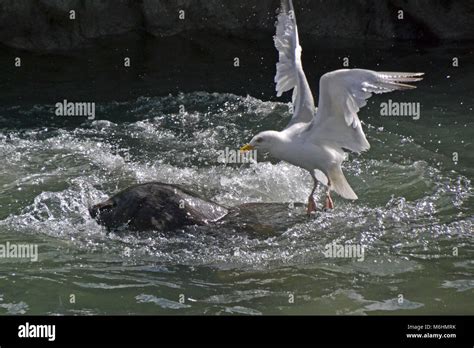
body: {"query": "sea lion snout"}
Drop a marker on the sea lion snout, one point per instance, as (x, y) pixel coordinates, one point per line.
(97, 209)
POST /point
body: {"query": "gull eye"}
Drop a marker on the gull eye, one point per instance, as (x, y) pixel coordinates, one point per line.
(259, 140)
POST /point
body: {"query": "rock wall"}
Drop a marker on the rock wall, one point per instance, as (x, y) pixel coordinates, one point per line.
(45, 24)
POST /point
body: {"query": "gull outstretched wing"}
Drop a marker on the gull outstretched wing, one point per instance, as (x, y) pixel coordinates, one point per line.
(290, 74)
(341, 95)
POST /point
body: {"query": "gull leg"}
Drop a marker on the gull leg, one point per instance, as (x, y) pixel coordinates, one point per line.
(311, 203)
(329, 203)
(311, 206)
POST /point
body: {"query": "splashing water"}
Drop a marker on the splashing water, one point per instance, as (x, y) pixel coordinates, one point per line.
(414, 219)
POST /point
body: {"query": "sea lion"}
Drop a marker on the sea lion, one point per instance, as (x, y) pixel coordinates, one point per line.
(156, 206)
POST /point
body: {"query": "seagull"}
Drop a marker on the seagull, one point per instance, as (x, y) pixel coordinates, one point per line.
(317, 139)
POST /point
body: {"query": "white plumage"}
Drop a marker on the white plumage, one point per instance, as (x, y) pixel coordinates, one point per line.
(315, 139)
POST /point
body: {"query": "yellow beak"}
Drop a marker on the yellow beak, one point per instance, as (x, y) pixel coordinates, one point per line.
(246, 148)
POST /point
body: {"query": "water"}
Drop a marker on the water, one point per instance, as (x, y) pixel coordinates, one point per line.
(414, 215)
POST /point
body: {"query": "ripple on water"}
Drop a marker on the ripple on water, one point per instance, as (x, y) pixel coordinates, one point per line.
(14, 308)
(162, 302)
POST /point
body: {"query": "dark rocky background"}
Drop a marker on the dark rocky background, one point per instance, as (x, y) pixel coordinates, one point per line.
(83, 59)
(45, 24)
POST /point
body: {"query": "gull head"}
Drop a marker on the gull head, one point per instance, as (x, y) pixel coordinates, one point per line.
(268, 141)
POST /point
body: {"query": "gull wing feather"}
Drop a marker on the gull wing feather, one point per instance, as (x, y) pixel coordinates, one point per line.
(342, 93)
(290, 74)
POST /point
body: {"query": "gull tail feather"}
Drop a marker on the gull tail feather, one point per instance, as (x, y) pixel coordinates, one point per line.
(340, 184)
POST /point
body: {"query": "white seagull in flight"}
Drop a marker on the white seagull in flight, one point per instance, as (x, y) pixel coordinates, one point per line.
(316, 138)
